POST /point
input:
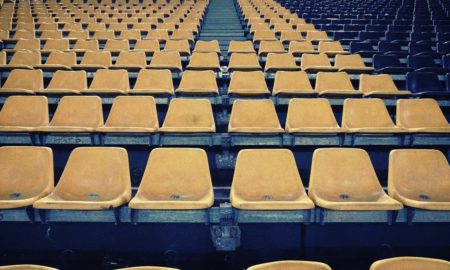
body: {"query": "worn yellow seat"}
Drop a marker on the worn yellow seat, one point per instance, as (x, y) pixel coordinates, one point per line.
(421, 115)
(58, 60)
(86, 45)
(24, 34)
(67, 82)
(22, 81)
(94, 60)
(292, 83)
(266, 47)
(148, 46)
(263, 35)
(78, 35)
(130, 34)
(291, 35)
(297, 48)
(335, 84)
(76, 114)
(166, 26)
(271, 183)
(244, 61)
(23, 59)
(316, 36)
(248, 83)
(344, 179)
(331, 48)
(259, 27)
(198, 82)
(291, 265)
(51, 34)
(367, 116)
(56, 45)
(205, 46)
(23, 113)
(159, 34)
(27, 44)
(280, 61)
(352, 63)
(94, 178)
(153, 82)
(254, 116)
(26, 175)
(241, 47)
(130, 60)
(183, 35)
(26, 267)
(316, 63)
(166, 60)
(185, 186)
(104, 35)
(132, 114)
(379, 85)
(410, 263)
(281, 27)
(204, 61)
(420, 178)
(180, 46)
(110, 82)
(117, 45)
(305, 27)
(311, 116)
(189, 115)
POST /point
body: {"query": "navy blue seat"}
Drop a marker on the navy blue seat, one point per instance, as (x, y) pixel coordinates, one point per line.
(391, 48)
(447, 82)
(389, 64)
(365, 49)
(443, 37)
(400, 37)
(331, 27)
(354, 27)
(376, 27)
(422, 49)
(423, 36)
(424, 63)
(423, 28)
(425, 84)
(370, 35)
(446, 62)
(345, 37)
(442, 28)
(399, 28)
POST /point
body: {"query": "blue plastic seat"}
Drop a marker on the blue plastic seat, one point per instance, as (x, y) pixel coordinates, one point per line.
(400, 37)
(399, 28)
(389, 64)
(443, 37)
(443, 48)
(425, 84)
(365, 49)
(422, 36)
(391, 48)
(376, 27)
(371, 35)
(424, 63)
(345, 37)
(446, 62)
(422, 49)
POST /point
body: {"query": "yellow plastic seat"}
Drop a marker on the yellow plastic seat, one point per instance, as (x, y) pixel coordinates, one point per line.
(56, 45)
(192, 27)
(316, 36)
(76, 114)
(180, 46)
(86, 45)
(130, 60)
(189, 115)
(132, 114)
(198, 82)
(205, 46)
(292, 83)
(367, 116)
(153, 82)
(316, 63)
(79, 35)
(263, 35)
(94, 60)
(117, 45)
(23, 81)
(183, 35)
(331, 48)
(240, 47)
(421, 115)
(410, 263)
(27, 44)
(297, 48)
(272, 183)
(149, 46)
(288, 36)
(26, 267)
(254, 116)
(311, 116)
(259, 27)
(244, 62)
(166, 60)
(24, 34)
(335, 83)
(58, 60)
(305, 27)
(266, 47)
(379, 85)
(248, 83)
(290, 265)
(24, 60)
(51, 34)
(204, 61)
(130, 34)
(352, 63)
(166, 26)
(420, 178)
(158, 34)
(67, 82)
(94, 178)
(23, 113)
(281, 27)
(280, 61)
(110, 82)
(26, 175)
(103, 35)
(344, 179)
(185, 186)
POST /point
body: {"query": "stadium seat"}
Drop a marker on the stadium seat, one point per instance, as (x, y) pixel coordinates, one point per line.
(185, 186)
(367, 116)
(303, 28)
(198, 83)
(263, 35)
(27, 44)
(244, 62)
(159, 34)
(26, 174)
(205, 46)
(412, 263)
(392, 48)
(344, 179)
(23, 60)
(288, 265)
(379, 86)
(67, 82)
(248, 83)
(311, 116)
(241, 47)
(316, 36)
(293, 83)
(335, 84)
(425, 84)
(58, 60)
(166, 60)
(421, 115)
(132, 114)
(149, 46)
(26, 267)
(331, 48)
(94, 178)
(86, 45)
(204, 61)
(110, 82)
(419, 178)
(365, 49)
(297, 48)
(130, 60)
(424, 63)
(55, 45)
(266, 47)
(254, 116)
(389, 64)
(180, 46)
(23, 113)
(76, 114)
(316, 63)
(22, 81)
(116, 45)
(94, 60)
(288, 36)
(352, 63)
(189, 115)
(280, 61)
(153, 82)
(272, 183)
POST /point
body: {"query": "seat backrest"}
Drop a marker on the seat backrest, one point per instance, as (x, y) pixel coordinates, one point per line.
(330, 46)
(351, 60)
(420, 61)
(28, 44)
(198, 80)
(189, 114)
(78, 111)
(333, 81)
(258, 116)
(156, 79)
(418, 82)
(97, 58)
(248, 80)
(62, 58)
(73, 80)
(117, 45)
(25, 111)
(132, 58)
(291, 80)
(25, 79)
(133, 111)
(56, 44)
(315, 60)
(383, 61)
(381, 82)
(29, 58)
(307, 113)
(419, 113)
(410, 263)
(86, 45)
(110, 79)
(363, 113)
